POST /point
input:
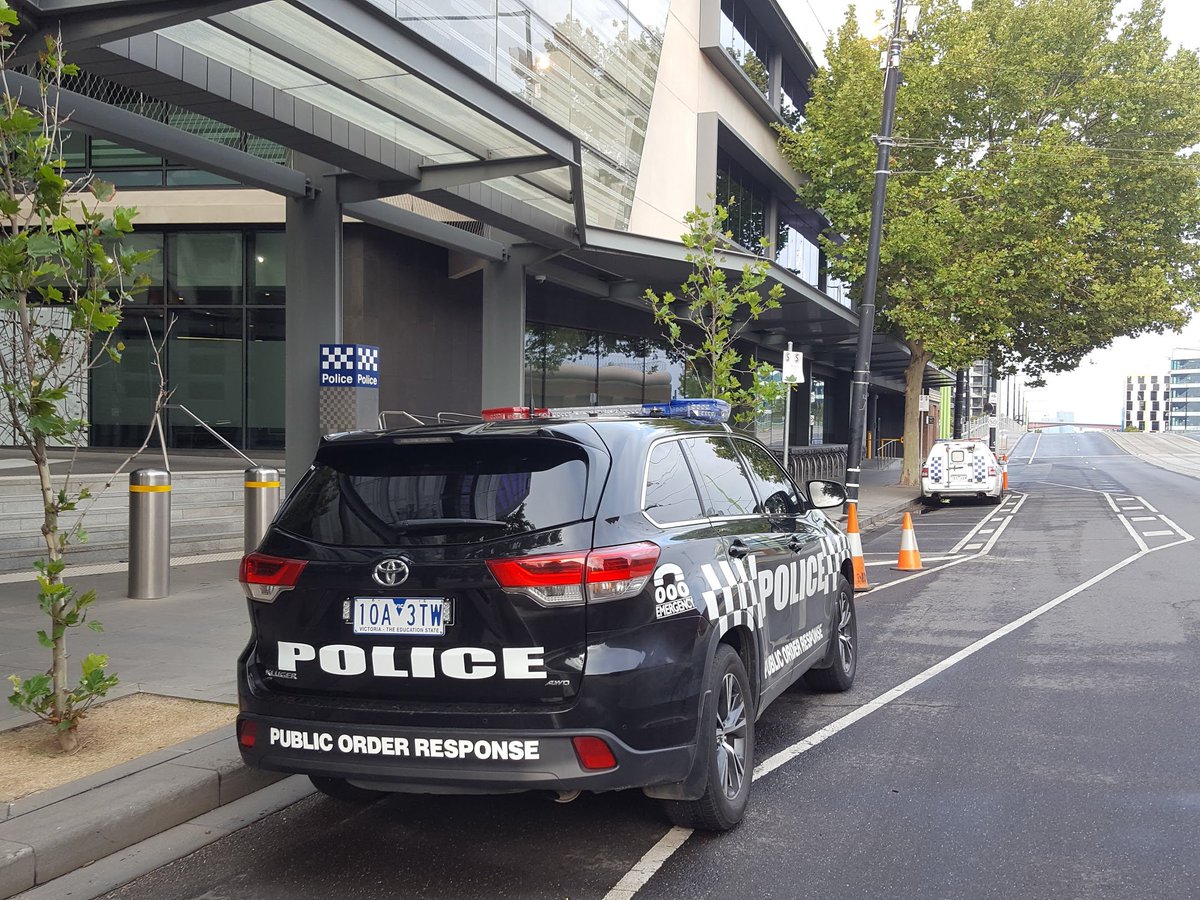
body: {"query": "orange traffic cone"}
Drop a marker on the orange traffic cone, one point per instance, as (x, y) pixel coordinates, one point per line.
(910, 556)
(1004, 473)
(854, 541)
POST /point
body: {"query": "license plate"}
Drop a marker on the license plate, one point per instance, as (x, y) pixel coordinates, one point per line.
(401, 615)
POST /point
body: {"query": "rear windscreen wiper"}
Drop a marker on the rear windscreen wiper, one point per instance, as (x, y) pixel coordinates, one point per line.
(413, 525)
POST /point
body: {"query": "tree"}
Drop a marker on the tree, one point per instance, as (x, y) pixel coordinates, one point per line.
(1044, 199)
(703, 325)
(64, 275)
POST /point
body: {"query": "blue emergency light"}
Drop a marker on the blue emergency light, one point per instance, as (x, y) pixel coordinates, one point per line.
(704, 409)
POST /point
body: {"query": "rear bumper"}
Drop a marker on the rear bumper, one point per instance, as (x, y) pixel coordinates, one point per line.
(445, 759)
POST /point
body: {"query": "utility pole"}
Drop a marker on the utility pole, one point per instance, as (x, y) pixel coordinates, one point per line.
(866, 309)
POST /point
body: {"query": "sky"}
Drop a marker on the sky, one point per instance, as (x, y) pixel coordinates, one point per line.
(1094, 392)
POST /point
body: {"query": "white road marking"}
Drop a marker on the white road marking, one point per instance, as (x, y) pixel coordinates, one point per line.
(1132, 508)
(992, 517)
(972, 546)
(1142, 500)
(654, 858)
(1036, 444)
(1143, 518)
(633, 880)
(1155, 533)
(986, 530)
(1137, 538)
(892, 562)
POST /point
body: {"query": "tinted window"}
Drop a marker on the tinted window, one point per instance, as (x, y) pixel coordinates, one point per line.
(775, 490)
(723, 481)
(670, 492)
(438, 493)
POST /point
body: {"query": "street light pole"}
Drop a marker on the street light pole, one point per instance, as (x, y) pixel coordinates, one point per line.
(866, 309)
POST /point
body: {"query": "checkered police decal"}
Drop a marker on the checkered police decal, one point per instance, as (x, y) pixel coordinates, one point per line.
(935, 469)
(349, 365)
(368, 358)
(735, 595)
(979, 467)
(338, 357)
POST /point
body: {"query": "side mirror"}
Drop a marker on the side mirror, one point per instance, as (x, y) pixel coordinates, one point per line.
(826, 494)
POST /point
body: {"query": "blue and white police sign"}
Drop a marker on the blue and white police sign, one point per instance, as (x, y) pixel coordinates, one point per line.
(349, 365)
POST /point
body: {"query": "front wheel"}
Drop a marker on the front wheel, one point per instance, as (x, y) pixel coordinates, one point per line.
(842, 656)
(727, 746)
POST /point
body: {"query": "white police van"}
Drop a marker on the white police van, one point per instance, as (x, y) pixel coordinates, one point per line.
(960, 468)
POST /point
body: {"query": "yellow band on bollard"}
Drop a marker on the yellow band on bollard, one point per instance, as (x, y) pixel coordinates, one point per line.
(262, 484)
(148, 488)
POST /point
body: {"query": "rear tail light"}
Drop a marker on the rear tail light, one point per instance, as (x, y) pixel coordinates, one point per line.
(266, 577)
(510, 413)
(617, 572)
(992, 471)
(593, 753)
(247, 732)
(567, 579)
(924, 471)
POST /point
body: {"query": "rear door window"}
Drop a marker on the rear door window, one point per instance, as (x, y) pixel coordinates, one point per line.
(724, 484)
(459, 492)
(670, 493)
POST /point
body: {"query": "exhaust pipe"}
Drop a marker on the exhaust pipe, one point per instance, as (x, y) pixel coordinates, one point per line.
(566, 796)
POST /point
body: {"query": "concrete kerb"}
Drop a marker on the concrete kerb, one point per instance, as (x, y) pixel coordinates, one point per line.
(54, 832)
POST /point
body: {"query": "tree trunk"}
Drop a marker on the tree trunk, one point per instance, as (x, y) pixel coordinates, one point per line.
(914, 375)
(68, 739)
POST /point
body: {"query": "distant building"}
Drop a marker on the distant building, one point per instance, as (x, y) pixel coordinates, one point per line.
(1145, 402)
(1183, 390)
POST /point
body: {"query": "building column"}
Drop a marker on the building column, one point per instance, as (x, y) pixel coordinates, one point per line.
(314, 307)
(503, 346)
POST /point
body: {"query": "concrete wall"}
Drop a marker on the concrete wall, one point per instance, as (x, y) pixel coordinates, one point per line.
(670, 182)
(397, 296)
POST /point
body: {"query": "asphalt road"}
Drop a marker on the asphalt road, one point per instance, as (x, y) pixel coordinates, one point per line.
(1056, 757)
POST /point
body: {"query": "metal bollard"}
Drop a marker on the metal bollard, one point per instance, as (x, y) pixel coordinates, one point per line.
(149, 534)
(262, 502)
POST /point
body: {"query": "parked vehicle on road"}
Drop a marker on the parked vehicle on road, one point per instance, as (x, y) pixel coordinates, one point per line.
(960, 468)
(568, 603)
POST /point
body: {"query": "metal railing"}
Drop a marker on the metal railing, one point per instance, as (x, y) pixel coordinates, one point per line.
(412, 420)
(889, 448)
(209, 429)
(827, 461)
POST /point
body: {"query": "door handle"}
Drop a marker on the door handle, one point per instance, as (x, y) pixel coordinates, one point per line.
(797, 543)
(739, 550)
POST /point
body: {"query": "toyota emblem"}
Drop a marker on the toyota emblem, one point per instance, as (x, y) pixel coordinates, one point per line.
(390, 572)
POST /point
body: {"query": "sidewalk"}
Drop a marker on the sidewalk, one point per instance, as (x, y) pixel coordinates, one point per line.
(183, 646)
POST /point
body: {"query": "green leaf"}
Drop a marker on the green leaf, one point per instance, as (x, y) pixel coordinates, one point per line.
(102, 190)
(95, 626)
(45, 640)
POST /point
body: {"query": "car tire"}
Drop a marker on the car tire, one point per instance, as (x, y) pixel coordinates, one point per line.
(342, 790)
(726, 747)
(842, 655)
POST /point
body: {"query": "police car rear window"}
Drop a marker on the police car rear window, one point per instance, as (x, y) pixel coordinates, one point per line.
(462, 492)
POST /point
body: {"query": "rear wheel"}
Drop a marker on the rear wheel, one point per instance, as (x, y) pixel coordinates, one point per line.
(842, 655)
(726, 747)
(341, 789)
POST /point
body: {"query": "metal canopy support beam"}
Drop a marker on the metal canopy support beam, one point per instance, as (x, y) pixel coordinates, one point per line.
(84, 24)
(386, 36)
(406, 222)
(364, 90)
(508, 213)
(314, 308)
(503, 349)
(131, 130)
(437, 177)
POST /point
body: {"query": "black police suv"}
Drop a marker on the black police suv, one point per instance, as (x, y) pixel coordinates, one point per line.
(541, 603)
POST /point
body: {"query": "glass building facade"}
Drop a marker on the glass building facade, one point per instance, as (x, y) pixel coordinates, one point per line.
(1183, 391)
(221, 295)
(589, 65)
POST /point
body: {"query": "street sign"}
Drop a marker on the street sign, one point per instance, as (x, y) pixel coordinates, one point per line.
(793, 367)
(923, 403)
(992, 398)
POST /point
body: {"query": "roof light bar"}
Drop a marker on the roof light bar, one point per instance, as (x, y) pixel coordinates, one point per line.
(701, 409)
